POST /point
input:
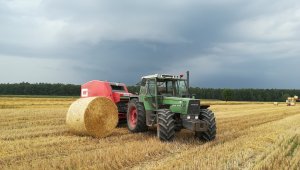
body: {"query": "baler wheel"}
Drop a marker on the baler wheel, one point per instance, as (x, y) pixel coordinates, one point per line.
(136, 116)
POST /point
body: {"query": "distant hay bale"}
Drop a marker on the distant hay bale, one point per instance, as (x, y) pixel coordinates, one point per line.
(94, 116)
(276, 103)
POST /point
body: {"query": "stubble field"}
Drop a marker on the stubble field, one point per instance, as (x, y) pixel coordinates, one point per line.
(33, 135)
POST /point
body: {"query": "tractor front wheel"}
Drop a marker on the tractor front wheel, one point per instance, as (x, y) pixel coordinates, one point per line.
(165, 125)
(209, 117)
(136, 116)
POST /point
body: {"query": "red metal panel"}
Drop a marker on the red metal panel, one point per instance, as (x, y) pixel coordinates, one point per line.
(125, 87)
(97, 88)
(103, 88)
(117, 96)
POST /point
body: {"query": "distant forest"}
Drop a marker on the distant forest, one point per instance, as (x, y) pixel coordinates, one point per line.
(203, 93)
(40, 89)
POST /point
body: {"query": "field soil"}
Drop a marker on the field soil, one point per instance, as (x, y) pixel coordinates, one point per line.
(256, 135)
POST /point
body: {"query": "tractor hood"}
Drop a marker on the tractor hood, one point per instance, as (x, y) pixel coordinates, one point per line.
(182, 105)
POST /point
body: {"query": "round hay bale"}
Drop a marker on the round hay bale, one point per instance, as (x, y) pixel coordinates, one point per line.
(296, 97)
(94, 116)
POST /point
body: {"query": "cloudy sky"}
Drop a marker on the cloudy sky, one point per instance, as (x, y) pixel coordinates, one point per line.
(225, 43)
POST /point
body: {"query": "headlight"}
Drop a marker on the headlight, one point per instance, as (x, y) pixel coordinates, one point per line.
(188, 117)
(196, 117)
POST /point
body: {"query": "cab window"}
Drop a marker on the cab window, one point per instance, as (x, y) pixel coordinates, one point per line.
(151, 87)
(165, 88)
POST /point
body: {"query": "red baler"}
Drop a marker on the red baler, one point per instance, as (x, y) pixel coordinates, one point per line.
(117, 92)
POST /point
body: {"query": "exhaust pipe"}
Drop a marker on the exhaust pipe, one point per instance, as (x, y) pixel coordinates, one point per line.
(188, 81)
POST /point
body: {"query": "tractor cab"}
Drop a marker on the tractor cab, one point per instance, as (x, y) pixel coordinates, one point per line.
(164, 85)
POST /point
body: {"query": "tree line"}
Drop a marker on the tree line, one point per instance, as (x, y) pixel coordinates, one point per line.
(238, 94)
(47, 89)
(60, 89)
(244, 94)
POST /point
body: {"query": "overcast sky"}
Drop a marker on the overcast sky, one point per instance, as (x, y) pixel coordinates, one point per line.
(225, 44)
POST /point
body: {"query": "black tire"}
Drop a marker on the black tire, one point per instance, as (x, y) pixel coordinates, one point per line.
(209, 117)
(165, 125)
(140, 118)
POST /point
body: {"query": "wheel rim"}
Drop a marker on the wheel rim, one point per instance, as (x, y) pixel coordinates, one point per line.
(133, 116)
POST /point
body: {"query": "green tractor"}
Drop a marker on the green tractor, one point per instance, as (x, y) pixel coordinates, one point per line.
(164, 101)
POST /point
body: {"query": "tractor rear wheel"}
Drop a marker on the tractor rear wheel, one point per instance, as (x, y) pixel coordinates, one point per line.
(209, 117)
(136, 116)
(165, 125)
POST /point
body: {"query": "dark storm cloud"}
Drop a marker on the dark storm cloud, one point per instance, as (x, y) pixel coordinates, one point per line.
(224, 44)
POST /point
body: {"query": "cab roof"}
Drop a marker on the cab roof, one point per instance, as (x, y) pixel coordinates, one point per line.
(163, 76)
